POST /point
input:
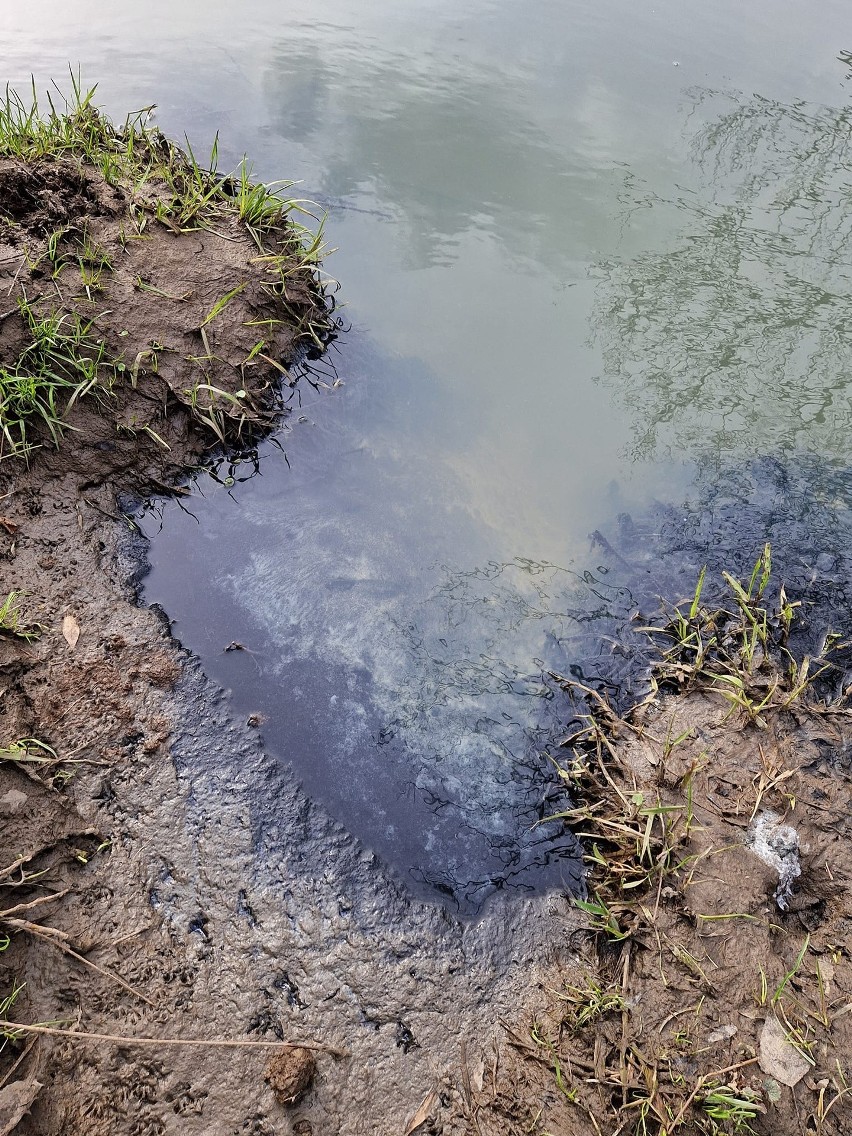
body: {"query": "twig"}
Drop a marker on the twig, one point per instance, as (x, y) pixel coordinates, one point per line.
(589, 692)
(181, 1041)
(465, 1073)
(32, 903)
(177, 490)
(702, 1081)
(19, 863)
(105, 512)
(622, 1064)
(51, 935)
(472, 1109)
(7, 1076)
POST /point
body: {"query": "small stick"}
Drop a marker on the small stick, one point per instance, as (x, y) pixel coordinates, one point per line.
(465, 1072)
(178, 490)
(702, 1081)
(24, 1052)
(622, 1064)
(212, 1044)
(13, 867)
(104, 512)
(32, 903)
(59, 939)
(472, 1109)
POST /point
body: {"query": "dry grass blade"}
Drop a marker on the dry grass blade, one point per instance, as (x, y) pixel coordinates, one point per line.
(59, 939)
(423, 1112)
(202, 1043)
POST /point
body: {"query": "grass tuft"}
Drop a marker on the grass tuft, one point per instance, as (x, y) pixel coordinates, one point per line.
(62, 361)
(14, 622)
(64, 358)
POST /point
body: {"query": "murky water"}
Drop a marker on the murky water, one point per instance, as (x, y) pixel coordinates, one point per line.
(596, 262)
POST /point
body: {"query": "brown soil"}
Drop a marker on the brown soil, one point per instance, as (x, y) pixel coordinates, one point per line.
(693, 1009)
(70, 244)
(73, 899)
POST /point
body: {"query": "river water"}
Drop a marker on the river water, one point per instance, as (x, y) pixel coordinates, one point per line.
(594, 264)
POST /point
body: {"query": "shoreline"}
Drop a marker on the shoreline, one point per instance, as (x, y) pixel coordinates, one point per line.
(141, 897)
(127, 834)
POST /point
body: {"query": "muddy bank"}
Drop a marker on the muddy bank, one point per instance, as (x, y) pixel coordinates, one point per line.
(715, 981)
(222, 932)
(292, 930)
(147, 897)
(140, 896)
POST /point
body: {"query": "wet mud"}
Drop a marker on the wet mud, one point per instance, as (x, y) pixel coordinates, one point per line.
(725, 977)
(225, 927)
(149, 903)
(203, 877)
(408, 699)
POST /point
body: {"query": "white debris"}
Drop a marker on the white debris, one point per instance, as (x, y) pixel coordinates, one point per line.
(777, 845)
(777, 1057)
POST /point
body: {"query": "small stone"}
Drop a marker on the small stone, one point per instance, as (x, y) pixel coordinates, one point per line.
(290, 1073)
(12, 802)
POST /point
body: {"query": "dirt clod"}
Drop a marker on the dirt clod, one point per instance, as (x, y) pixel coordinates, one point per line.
(290, 1074)
(15, 1102)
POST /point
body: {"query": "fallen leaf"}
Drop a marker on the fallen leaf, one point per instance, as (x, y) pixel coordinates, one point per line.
(11, 527)
(15, 1101)
(778, 1058)
(422, 1114)
(70, 631)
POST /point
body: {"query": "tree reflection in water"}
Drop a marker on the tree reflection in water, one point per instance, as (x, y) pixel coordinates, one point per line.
(739, 338)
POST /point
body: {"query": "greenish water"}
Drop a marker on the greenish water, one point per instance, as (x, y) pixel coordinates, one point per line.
(588, 253)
